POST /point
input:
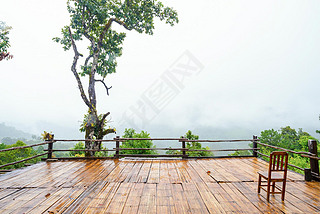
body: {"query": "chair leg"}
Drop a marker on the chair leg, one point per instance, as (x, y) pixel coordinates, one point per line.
(273, 186)
(268, 190)
(283, 190)
(259, 184)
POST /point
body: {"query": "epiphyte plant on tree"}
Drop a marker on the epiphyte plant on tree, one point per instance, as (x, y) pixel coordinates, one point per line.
(92, 20)
(4, 41)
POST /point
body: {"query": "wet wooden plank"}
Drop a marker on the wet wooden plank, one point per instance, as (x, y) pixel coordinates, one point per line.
(148, 199)
(154, 175)
(119, 199)
(204, 174)
(211, 202)
(133, 175)
(173, 173)
(164, 198)
(255, 199)
(51, 199)
(182, 170)
(164, 172)
(214, 170)
(134, 198)
(180, 201)
(144, 172)
(194, 199)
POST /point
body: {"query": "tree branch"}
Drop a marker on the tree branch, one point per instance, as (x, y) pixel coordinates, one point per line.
(74, 71)
(107, 88)
(87, 60)
(121, 23)
(108, 25)
(85, 33)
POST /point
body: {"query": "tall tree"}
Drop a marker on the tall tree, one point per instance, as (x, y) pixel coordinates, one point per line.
(4, 41)
(92, 20)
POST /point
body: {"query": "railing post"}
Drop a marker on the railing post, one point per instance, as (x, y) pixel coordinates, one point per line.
(314, 164)
(255, 146)
(183, 146)
(117, 147)
(50, 147)
(307, 174)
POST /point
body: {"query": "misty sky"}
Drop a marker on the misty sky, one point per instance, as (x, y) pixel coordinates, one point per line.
(227, 65)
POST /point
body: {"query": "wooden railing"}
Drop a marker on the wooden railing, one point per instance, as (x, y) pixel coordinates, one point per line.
(25, 159)
(311, 173)
(183, 149)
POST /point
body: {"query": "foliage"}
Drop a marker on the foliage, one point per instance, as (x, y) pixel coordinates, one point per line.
(98, 131)
(79, 145)
(2, 146)
(193, 146)
(92, 21)
(18, 154)
(102, 153)
(131, 133)
(47, 136)
(288, 138)
(241, 153)
(4, 41)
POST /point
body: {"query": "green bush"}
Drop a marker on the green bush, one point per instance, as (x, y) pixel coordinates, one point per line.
(193, 146)
(131, 133)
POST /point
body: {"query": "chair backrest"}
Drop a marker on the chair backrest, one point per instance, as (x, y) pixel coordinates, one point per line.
(278, 161)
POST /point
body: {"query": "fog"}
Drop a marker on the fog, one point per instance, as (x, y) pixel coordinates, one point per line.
(228, 69)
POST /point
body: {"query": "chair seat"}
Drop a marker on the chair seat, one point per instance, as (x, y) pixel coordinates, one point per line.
(274, 175)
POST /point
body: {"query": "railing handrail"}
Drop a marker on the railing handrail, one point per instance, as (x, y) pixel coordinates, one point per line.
(23, 147)
(154, 139)
(217, 141)
(80, 140)
(283, 149)
(20, 161)
(312, 157)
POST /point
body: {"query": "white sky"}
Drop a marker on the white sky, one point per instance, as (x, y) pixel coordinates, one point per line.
(260, 68)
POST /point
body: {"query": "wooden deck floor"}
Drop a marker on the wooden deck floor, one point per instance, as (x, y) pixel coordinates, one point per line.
(226, 185)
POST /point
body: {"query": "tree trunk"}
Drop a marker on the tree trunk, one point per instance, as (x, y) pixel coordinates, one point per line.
(95, 131)
(91, 134)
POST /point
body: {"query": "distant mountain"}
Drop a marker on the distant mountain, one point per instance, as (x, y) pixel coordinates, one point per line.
(8, 131)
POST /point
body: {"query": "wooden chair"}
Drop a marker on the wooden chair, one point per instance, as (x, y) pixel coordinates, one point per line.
(277, 173)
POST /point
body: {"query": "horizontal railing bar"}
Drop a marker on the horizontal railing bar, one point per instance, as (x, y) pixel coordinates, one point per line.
(126, 139)
(295, 166)
(150, 156)
(6, 170)
(312, 157)
(263, 154)
(287, 150)
(113, 140)
(75, 158)
(13, 163)
(185, 149)
(216, 157)
(315, 175)
(80, 150)
(220, 150)
(152, 149)
(23, 147)
(216, 141)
